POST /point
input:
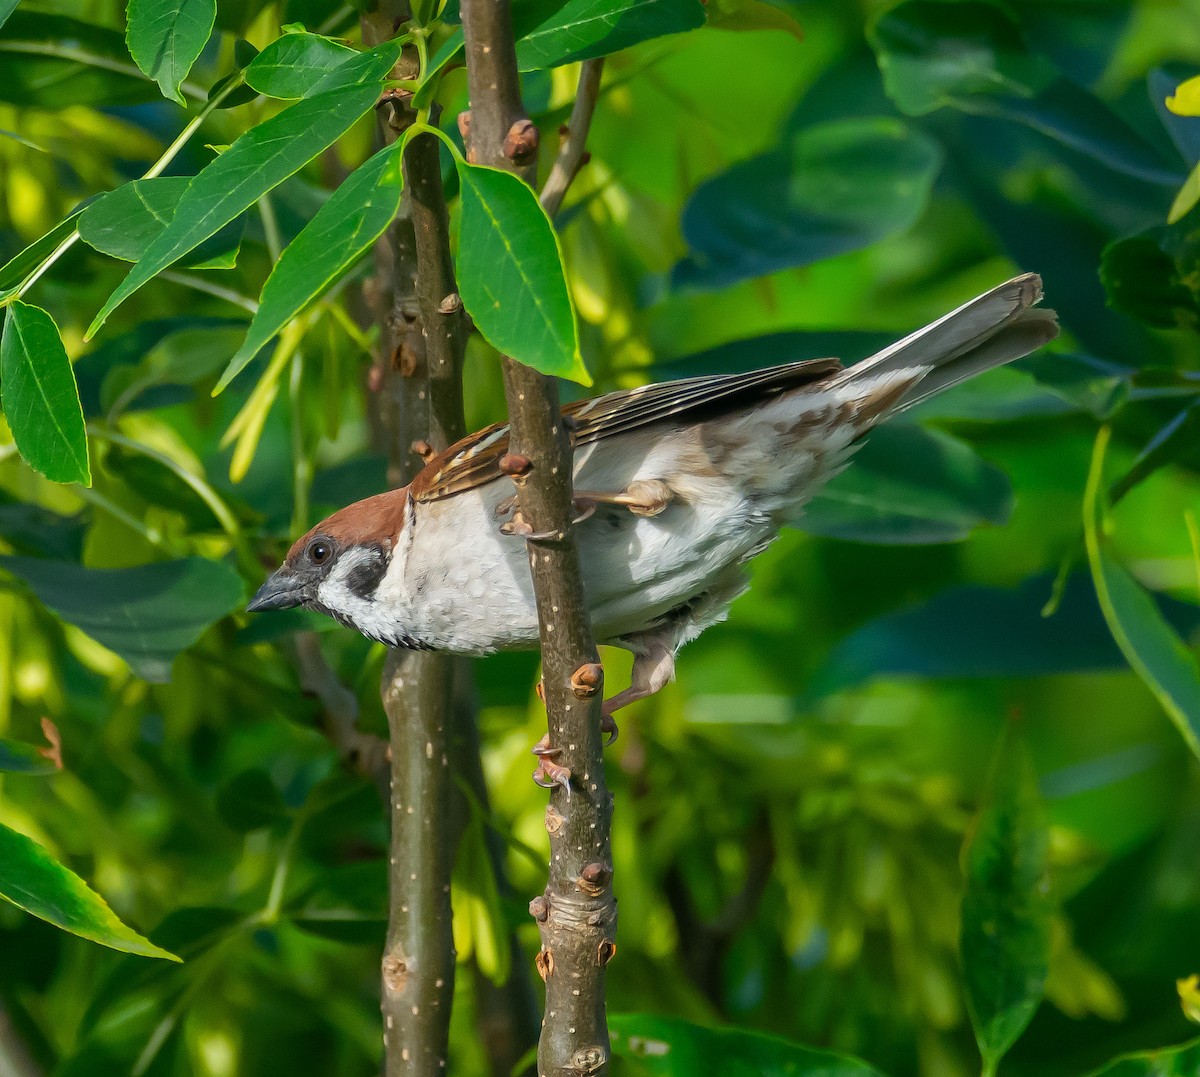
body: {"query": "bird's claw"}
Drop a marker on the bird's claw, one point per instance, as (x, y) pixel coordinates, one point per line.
(608, 724)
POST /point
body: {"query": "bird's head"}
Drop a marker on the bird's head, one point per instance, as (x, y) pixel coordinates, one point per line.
(338, 566)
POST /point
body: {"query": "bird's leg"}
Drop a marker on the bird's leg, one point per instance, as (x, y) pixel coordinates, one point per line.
(645, 497)
(653, 667)
(549, 773)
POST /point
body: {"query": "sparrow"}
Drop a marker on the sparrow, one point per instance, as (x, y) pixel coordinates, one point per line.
(677, 485)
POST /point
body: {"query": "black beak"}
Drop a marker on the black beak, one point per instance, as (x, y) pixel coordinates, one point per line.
(282, 591)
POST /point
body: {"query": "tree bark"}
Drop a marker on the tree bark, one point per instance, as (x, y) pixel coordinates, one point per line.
(576, 914)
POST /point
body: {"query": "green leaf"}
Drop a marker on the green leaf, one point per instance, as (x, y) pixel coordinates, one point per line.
(17, 757)
(41, 402)
(583, 29)
(32, 529)
(1181, 1061)
(7, 7)
(749, 15)
(249, 801)
(481, 928)
(146, 614)
(1151, 276)
(348, 903)
(342, 230)
(53, 61)
(908, 485)
(33, 880)
(447, 52)
(668, 1047)
(511, 276)
(1150, 645)
(166, 37)
(125, 223)
(14, 272)
(972, 56)
(1007, 908)
(1186, 199)
(259, 160)
(832, 188)
(293, 65)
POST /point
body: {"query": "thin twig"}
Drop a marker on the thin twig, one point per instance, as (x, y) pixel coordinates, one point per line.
(576, 915)
(574, 142)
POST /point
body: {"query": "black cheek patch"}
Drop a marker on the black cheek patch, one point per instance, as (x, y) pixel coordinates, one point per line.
(364, 577)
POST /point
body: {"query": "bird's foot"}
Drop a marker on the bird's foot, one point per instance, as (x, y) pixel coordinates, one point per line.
(549, 773)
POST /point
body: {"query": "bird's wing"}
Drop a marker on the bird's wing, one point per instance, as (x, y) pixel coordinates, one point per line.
(474, 461)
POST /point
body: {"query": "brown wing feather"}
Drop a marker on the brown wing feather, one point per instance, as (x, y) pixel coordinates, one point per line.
(475, 460)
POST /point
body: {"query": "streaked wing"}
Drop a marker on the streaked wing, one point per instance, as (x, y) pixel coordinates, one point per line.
(475, 460)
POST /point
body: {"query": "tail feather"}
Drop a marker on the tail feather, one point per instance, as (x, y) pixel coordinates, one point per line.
(988, 331)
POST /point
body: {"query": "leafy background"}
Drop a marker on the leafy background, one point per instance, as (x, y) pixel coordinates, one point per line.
(931, 795)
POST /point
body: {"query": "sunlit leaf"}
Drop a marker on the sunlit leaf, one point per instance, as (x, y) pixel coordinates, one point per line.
(166, 37)
(909, 485)
(343, 229)
(33, 880)
(259, 160)
(1185, 101)
(668, 1047)
(20, 265)
(125, 222)
(1181, 1061)
(1007, 908)
(146, 614)
(510, 274)
(831, 189)
(480, 925)
(582, 29)
(293, 65)
(1151, 646)
(41, 402)
(1186, 199)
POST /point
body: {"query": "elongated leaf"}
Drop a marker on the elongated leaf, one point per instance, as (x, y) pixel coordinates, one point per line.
(19, 758)
(53, 61)
(259, 160)
(293, 65)
(511, 277)
(146, 614)
(125, 222)
(41, 402)
(987, 632)
(1149, 643)
(249, 801)
(21, 264)
(668, 1047)
(343, 229)
(34, 530)
(582, 29)
(7, 7)
(1181, 1061)
(833, 188)
(1007, 908)
(972, 56)
(1150, 276)
(909, 485)
(166, 37)
(33, 880)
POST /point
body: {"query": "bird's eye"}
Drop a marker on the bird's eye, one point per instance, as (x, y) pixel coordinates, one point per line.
(318, 552)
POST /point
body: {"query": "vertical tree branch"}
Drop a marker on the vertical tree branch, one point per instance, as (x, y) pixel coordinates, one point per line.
(577, 913)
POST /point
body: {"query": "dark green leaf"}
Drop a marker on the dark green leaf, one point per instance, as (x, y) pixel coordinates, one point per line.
(1152, 277)
(53, 61)
(1007, 908)
(1150, 645)
(259, 160)
(668, 1047)
(1184, 130)
(19, 758)
(832, 189)
(41, 402)
(1179, 436)
(7, 7)
(348, 904)
(343, 229)
(125, 222)
(972, 56)
(31, 529)
(166, 37)
(146, 614)
(510, 274)
(910, 485)
(1181, 1061)
(20, 265)
(987, 632)
(33, 880)
(583, 29)
(293, 65)
(250, 801)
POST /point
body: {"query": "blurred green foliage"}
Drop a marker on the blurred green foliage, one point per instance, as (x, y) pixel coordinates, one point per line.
(801, 814)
